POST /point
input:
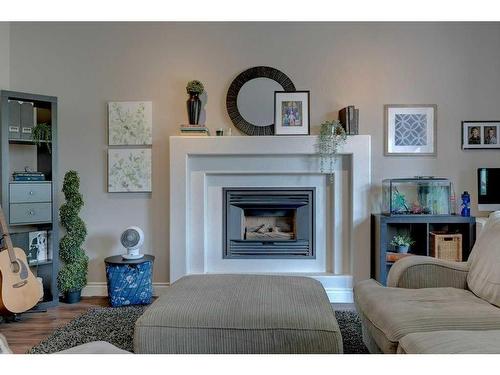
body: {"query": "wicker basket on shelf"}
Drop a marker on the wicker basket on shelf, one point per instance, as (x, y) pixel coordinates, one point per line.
(446, 246)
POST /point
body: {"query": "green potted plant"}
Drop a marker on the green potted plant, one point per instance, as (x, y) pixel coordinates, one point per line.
(331, 137)
(194, 88)
(72, 276)
(402, 242)
(42, 133)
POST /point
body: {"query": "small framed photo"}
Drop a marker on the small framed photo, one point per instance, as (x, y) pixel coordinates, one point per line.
(291, 113)
(480, 134)
(410, 130)
(38, 246)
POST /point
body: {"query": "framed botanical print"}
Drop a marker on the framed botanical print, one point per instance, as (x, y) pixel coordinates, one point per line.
(480, 135)
(129, 170)
(410, 130)
(291, 112)
(130, 123)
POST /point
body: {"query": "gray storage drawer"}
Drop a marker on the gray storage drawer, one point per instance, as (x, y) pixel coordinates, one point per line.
(27, 213)
(30, 192)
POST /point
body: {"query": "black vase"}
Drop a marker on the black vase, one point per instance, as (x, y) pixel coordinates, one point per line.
(73, 296)
(194, 108)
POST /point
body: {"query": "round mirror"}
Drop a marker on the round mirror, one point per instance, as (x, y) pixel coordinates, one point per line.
(250, 99)
(256, 101)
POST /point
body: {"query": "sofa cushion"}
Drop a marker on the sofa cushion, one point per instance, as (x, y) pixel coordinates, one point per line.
(4, 347)
(484, 274)
(239, 314)
(392, 313)
(451, 342)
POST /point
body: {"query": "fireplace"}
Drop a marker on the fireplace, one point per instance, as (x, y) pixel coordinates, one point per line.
(268, 223)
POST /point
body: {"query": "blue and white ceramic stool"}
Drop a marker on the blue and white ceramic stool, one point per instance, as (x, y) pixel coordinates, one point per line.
(130, 281)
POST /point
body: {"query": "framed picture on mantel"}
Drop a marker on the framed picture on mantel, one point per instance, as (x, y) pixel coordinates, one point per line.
(291, 112)
(410, 130)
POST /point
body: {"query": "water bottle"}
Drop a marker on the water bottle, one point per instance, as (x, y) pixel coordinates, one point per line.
(465, 204)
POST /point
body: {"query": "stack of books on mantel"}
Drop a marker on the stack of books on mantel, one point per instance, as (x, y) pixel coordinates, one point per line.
(349, 118)
(198, 130)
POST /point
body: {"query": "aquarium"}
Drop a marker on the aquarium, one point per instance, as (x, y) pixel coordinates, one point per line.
(416, 196)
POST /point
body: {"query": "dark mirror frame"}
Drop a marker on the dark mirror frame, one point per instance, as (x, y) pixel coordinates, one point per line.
(232, 97)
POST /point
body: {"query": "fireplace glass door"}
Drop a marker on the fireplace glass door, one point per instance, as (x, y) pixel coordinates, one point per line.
(268, 222)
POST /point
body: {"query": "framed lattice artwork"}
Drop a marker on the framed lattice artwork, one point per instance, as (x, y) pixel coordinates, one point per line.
(410, 130)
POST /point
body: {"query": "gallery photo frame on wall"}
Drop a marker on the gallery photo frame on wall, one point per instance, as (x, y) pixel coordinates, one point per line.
(480, 135)
(130, 139)
(410, 130)
(291, 113)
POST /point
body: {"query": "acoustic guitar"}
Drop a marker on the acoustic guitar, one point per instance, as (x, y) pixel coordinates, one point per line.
(19, 289)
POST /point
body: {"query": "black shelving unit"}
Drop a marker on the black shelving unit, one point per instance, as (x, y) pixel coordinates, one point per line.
(384, 228)
(31, 206)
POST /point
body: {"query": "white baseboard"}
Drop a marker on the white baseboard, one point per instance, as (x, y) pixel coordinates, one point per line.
(340, 295)
(100, 289)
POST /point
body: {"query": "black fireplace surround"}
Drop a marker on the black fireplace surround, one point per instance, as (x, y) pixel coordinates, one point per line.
(268, 223)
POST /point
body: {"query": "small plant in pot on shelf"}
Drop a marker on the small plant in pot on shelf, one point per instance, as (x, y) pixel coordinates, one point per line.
(42, 133)
(402, 243)
(194, 89)
(73, 275)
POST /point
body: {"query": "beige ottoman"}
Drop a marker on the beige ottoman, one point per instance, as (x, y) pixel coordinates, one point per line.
(241, 314)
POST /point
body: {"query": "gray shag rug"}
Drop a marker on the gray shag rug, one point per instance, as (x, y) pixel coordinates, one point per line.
(116, 325)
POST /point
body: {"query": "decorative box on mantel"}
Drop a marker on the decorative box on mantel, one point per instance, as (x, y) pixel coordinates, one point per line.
(202, 167)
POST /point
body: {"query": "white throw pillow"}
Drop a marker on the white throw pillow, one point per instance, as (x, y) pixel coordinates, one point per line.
(484, 274)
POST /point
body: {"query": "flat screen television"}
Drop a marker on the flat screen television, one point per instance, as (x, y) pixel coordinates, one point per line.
(488, 189)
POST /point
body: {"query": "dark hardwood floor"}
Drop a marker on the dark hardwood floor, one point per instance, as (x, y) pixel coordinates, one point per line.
(34, 327)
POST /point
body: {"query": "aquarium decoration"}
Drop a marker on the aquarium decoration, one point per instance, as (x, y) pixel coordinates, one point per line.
(416, 196)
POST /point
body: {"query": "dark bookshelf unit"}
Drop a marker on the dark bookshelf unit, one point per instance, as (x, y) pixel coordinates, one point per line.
(384, 228)
(31, 206)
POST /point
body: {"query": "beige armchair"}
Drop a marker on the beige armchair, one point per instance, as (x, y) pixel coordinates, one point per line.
(425, 294)
(418, 272)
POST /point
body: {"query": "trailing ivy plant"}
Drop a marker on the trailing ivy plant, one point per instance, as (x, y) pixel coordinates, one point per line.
(195, 87)
(331, 137)
(73, 275)
(42, 132)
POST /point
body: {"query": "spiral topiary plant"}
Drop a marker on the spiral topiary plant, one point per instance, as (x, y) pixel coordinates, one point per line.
(73, 275)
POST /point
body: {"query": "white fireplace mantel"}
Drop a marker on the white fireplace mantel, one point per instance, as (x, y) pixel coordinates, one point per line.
(197, 164)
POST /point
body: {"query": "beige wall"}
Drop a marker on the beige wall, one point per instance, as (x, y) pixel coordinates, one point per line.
(4, 55)
(456, 66)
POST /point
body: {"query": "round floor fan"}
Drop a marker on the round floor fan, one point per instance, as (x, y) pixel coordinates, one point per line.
(132, 239)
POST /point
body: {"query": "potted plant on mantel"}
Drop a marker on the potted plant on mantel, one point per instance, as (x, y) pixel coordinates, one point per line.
(332, 137)
(402, 243)
(194, 89)
(73, 275)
